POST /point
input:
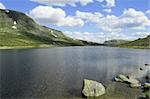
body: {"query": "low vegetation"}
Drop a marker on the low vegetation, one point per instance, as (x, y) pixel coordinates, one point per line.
(139, 43)
(17, 30)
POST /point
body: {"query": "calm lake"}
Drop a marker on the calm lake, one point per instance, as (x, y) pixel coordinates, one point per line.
(57, 73)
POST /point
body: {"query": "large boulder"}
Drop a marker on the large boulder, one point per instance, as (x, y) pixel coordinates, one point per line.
(92, 88)
(126, 79)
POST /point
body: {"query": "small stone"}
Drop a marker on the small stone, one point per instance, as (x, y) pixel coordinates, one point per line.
(141, 68)
(14, 27)
(15, 22)
(7, 11)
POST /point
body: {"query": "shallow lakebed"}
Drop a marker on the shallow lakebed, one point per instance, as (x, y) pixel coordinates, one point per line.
(59, 72)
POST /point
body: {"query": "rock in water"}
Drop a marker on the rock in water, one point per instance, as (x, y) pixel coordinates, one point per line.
(132, 81)
(147, 64)
(146, 85)
(135, 85)
(92, 88)
(121, 78)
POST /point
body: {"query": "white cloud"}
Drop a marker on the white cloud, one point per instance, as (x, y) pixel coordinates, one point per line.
(2, 6)
(99, 37)
(130, 19)
(57, 16)
(93, 17)
(142, 34)
(94, 37)
(70, 21)
(107, 10)
(147, 12)
(85, 2)
(109, 23)
(109, 3)
(63, 2)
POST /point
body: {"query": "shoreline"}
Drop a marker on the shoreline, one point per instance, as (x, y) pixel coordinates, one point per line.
(51, 46)
(26, 47)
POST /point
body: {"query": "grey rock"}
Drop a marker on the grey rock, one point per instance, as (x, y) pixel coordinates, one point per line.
(92, 88)
(126, 79)
(146, 85)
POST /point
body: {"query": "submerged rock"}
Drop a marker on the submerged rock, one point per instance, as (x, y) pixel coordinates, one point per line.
(135, 85)
(146, 85)
(126, 79)
(141, 68)
(92, 88)
(147, 64)
(121, 78)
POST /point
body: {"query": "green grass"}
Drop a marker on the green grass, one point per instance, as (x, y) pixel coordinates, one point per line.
(29, 33)
(143, 43)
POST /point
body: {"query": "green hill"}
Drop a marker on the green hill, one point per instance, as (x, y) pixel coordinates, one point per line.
(139, 43)
(19, 30)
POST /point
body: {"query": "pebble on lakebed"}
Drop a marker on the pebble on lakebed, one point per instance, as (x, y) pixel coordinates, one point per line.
(93, 88)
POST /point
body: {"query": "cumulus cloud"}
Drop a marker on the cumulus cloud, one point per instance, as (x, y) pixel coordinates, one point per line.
(99, 37)
(147, 12)
(2, 6)
(109, 3)
(94, 37)
(107, 10)
(57, 16)
(130, 19)
(63, 2)
(142, 34)
(92, 17)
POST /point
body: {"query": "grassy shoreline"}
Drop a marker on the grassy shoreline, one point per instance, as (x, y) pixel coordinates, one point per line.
(51, 46)
(135, 47)
(25, 47)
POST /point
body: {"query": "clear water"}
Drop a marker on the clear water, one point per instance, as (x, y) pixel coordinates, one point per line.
(59, 72)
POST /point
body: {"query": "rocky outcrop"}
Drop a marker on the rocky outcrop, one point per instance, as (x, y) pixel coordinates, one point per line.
(92, 88)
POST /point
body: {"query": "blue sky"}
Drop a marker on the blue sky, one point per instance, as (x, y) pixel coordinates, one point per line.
(92, 20)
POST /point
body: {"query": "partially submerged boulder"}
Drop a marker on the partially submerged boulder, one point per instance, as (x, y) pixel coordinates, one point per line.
(146, 85)
(126, 79)
(135, 85)
(147, 64)
(121, 78)
(92, 88)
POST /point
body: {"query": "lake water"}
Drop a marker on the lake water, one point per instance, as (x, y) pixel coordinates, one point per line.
(57, 73)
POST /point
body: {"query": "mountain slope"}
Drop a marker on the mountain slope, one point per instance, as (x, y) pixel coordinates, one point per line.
(139, 43)
(114, 42)
(17, 29)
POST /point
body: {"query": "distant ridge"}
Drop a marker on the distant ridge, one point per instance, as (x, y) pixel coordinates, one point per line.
(115, 42)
